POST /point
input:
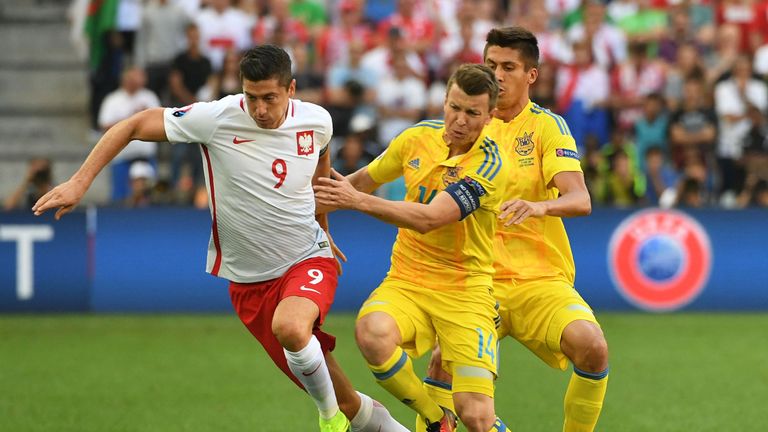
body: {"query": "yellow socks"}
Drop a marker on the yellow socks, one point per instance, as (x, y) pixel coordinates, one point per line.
(584, 400)
(439, 392)
(396, 375)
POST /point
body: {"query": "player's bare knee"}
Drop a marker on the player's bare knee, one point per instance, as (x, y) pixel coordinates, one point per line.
(592, 354)
(476, 417)
(292, 335)
(596, 355)
(375, 338)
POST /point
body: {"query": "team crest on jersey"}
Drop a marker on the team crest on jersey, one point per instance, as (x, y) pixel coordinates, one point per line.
(660, 260)
(181, 111)
(524, 145)
(305, 142)
(451, 175)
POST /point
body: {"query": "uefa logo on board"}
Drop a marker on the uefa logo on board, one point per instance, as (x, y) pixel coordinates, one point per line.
(659, 260)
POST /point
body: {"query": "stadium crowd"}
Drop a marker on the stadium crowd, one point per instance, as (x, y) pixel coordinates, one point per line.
(666, 99)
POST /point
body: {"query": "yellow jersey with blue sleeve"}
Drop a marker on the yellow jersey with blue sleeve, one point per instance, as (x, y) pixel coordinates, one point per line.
(539, 145)
(458, 255)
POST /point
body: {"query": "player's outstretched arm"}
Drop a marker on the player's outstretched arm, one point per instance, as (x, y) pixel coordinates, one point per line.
(574, 200)
(146, 125)
(338, 192)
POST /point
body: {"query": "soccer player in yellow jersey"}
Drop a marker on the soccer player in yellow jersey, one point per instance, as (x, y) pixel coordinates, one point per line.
(534, 265)
(439, 284)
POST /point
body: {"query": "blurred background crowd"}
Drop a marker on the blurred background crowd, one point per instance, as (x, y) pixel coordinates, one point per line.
(666, 99)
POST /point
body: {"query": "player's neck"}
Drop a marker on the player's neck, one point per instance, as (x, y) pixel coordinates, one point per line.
(459, 149)
(508, 113)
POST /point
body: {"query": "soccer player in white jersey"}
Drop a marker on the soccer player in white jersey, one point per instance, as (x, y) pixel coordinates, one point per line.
(262, 152)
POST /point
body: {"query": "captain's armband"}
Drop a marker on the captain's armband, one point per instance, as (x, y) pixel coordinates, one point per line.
(466, 192)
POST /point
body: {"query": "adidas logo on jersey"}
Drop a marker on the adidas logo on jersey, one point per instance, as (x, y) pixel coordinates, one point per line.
(414, 163)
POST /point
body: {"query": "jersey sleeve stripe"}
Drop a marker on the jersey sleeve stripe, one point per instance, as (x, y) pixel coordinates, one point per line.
(429, 125)
(485, 162)
(501, 161)
(559, 120)
(495, 160)
(436, 122)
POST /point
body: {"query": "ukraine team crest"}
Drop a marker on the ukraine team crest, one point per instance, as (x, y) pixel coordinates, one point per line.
(659, 260)
(524, 145)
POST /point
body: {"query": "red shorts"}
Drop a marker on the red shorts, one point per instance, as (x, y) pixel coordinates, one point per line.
(255, 303)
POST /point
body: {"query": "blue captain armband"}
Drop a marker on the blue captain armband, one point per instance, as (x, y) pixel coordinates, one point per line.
(466, 192)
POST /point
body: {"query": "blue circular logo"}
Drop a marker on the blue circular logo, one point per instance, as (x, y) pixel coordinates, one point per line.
(660, 258)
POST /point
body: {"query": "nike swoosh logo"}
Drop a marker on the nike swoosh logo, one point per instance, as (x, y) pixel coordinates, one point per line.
(239, 141)
(308, 374)
(303, 288)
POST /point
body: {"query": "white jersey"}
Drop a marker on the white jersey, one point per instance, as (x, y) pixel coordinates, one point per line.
(259, 184)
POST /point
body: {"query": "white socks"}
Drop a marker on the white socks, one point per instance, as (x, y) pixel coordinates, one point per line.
(373, 417)
(308, 364)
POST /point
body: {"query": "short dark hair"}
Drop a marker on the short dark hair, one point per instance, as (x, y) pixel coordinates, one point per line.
(517, 38)
(266, 62)
(474, 80)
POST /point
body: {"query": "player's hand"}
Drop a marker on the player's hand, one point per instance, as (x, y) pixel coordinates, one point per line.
(336, 191)
(64, 196)
(337, 253)
(519, 210)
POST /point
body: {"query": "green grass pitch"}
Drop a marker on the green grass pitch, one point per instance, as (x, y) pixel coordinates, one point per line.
(80, 373)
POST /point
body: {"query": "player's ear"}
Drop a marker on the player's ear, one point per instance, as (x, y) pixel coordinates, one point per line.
(533, 75)
(292, 88)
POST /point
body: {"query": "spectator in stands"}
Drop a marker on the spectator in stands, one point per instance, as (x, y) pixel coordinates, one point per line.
(633, 80)
(652, 126)
(159, 40)
(335, 42)
(755, 193)
(190, 71)
(280, 24)
(619, 183)
(418, 29)
(693, 128)
(660, 178)
(380, 59)
(733, 98)
(761, 62)
(690, 193)
(582, 95)
(688, 63)
(227, 80)
(130, 98)
(36, 183)
(720, 61)
(309, 82)
(142, 180)
(552, 45)
(311, 13)
(742, 15)
(352, 155)
(608, 42)
(647, 24)
(680, 33)
(401, 99)
(350, 69)
(223, 28)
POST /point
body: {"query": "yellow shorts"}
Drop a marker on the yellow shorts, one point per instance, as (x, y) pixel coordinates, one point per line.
(536, 312)
(462, 321)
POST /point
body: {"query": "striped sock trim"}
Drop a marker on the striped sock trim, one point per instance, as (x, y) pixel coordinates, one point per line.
(381, 376)
(436, 383)
(499, 426)
(590, 375)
